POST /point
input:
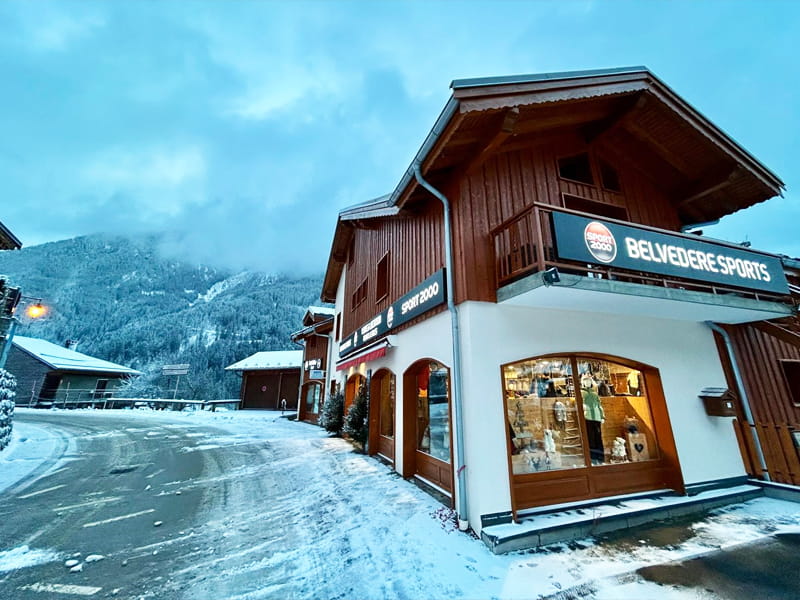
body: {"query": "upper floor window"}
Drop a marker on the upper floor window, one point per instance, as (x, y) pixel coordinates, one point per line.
(360, 294)
(584, 168)
(382, 278)
(577, 168)
(791, 371)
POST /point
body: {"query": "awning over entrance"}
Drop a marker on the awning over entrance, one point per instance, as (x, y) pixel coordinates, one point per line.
(365, 355)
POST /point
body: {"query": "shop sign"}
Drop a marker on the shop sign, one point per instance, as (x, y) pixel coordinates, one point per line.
(628, 247)
(314, 363)
(427, 295)
(316, 374)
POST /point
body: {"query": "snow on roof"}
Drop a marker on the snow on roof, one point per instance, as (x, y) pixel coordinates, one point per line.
(260, 361)
(322, 310)
(58, 357)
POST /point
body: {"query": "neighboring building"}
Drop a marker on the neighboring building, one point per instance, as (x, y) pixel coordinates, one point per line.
(48, 373)
(8, 241)
(315, 338)
(767, 357)
(268, 378)
(583, 307)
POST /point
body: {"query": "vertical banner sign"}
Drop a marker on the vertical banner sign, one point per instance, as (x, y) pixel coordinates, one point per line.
(601, 242)
(427, 295)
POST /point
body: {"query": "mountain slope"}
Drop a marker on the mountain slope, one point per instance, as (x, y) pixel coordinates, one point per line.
(126, 304)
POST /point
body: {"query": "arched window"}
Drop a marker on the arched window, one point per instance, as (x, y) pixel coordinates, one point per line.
(573, 411)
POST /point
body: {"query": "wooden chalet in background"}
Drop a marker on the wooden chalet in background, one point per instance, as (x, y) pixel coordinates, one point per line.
(315, 339)
(48, 374)
(268, 378)
(585, 313)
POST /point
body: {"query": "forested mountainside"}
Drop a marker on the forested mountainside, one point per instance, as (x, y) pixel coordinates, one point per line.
(124, 303)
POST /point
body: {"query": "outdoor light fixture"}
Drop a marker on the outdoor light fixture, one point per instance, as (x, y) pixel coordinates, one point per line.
(34, 311)
(550, 276)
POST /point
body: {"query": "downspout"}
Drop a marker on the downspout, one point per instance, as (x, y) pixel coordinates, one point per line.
(460, 467)
(737, 374)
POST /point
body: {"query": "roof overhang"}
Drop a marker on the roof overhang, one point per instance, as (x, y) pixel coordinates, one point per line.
(8, 241)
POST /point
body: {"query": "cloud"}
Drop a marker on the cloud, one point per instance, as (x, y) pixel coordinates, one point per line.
(49, 28)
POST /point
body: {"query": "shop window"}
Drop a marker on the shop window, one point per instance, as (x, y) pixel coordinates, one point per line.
(577, 168)
(313, 394)
(609, 177)
(382, 278)
(601, 209)
(433, 410)
(386, 396)
(543, 423)
(571, 411)
(791, 371)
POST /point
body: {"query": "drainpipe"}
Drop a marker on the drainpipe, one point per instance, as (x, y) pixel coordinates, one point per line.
(460, 467)
(748, 414)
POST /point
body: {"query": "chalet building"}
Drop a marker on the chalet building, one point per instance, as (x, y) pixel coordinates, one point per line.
(268, 378)
(48, 374)
(315, 339)
(529, 309)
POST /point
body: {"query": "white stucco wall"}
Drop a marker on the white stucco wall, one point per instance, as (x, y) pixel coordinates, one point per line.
(684, 352)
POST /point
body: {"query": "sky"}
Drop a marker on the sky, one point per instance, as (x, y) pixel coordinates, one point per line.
(241, 128)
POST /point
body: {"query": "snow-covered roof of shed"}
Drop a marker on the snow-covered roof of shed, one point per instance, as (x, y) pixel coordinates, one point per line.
(262, 361)
(322, 310)
(58, 357)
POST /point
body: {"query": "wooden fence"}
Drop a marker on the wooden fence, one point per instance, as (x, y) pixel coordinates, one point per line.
(780, 448)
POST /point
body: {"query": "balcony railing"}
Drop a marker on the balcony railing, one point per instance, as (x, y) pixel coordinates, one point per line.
(524, 244)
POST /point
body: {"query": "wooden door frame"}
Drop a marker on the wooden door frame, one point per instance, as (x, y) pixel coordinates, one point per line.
(410, 418)
(375, 412)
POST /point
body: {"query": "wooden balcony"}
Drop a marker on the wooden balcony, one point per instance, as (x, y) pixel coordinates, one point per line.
(524, 244)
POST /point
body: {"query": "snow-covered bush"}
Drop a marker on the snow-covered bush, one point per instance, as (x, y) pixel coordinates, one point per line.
(8, 387)
(332, 417)
(355, 422)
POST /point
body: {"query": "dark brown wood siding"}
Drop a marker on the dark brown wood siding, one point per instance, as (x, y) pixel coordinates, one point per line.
(758, 355)
(414, 242)
(266, 389)
(509, 182)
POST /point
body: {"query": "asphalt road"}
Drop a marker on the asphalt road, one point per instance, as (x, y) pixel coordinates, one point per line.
(138, 494)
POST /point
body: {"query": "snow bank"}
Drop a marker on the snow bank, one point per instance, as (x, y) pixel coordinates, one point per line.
(23, 557)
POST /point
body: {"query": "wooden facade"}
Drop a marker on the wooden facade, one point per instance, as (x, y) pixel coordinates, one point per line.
(265, 389)
(768, 358)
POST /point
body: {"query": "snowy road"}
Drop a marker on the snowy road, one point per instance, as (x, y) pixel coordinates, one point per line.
(247, 506)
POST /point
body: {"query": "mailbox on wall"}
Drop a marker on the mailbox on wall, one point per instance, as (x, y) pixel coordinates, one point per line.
(718, 402)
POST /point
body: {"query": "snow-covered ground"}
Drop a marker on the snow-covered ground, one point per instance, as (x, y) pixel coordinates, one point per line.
(358, 530)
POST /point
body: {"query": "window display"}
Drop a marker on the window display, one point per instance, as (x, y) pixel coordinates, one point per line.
(543, 422)
(433, 411)
(550, 427)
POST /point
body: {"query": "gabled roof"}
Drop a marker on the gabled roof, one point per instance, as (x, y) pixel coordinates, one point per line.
(349, 219)
(264, 361)
(712, 175)
(320, 310)
(63, 359)
(8, 241)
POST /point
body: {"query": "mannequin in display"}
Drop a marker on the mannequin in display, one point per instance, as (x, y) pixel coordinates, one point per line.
(634, 383)
(594, 416)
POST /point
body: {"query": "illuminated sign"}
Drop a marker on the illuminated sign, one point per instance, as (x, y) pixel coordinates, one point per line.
(629, 247)
(427, 295)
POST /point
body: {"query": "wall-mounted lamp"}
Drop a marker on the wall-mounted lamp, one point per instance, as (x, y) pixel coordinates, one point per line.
(551, 276)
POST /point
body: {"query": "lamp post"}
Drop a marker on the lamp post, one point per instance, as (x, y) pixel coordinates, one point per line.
(10, 297)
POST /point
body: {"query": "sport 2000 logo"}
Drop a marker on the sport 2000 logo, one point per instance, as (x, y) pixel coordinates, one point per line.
(600, 242)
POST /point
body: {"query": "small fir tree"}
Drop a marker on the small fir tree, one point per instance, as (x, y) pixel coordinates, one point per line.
(332, 417)
(8, 387)
(355, 423)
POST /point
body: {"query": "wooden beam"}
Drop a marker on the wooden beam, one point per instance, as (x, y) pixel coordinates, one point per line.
(708, 185)
(623, 113)
(505, 131)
